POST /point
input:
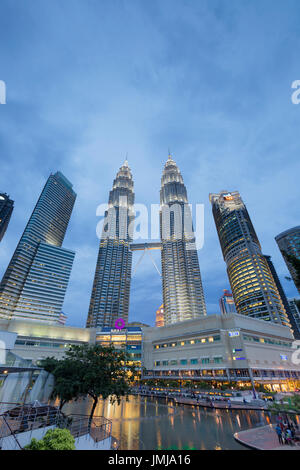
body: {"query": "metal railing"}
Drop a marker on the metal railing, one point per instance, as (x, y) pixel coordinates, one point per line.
(12, 442)
(17, 419)
(99, 428)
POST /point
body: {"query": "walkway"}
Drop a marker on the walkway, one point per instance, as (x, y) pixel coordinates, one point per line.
(220, 404)
(263, 438)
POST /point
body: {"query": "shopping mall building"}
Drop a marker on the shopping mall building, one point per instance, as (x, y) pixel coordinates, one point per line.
(218, 349)
(214, 348)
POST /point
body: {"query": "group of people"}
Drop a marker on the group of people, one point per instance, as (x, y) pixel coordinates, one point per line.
(286, 432)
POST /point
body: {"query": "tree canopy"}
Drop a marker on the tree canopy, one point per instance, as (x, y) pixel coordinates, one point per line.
(292, 404)
(91, 370)
(54, 439)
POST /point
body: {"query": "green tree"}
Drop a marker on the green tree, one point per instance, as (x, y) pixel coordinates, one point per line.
(67, 384)
(92, 370)
(54, 439)
(292, 405)
(104, 371)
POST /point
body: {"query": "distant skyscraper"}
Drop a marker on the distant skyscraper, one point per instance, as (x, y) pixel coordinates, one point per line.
(295, 312)
(111, 287)
(36, 279)
(227, 303)
(253, 286)
(284, 299)
(6, 208)
(289, 245)
(160, 320)
(183, 296)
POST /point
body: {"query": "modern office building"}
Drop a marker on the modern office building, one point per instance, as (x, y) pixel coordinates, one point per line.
(222, 349)
(294, 305)
(160, 319)
(183, 296)
(111, 287)
(36, 279)
(6, 208)
(254, 289)
(227, 303)
(289, 245)
(293, 322)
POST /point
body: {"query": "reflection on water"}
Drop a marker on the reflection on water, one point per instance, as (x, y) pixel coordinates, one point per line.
(154, 423)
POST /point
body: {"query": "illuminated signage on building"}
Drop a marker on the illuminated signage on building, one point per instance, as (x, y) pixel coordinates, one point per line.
(233, 333)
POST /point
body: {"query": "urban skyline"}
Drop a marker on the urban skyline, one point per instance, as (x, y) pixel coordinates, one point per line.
(198, 80)
(123, 186)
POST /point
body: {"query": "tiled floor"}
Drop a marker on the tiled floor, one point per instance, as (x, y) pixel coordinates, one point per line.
(263, 438)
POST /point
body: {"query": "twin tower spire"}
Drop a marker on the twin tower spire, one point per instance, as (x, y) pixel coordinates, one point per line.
(181, 280)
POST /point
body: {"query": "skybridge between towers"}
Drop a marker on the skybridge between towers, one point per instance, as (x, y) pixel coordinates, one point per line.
(146, 247)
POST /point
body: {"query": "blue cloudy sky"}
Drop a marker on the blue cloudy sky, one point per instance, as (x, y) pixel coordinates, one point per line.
(89, 80)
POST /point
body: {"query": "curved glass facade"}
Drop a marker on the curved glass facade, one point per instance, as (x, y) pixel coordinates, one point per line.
(253, 287)
(289, 245)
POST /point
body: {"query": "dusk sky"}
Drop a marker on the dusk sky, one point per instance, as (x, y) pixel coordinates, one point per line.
(91, 80)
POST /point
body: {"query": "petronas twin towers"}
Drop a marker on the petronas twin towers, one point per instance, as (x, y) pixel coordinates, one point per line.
(181, 280)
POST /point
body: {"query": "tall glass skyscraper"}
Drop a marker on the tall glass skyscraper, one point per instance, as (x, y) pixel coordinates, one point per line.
(6, 208)
(289, 245)
(111, 287)
(254, 289)
(35, 281)
(183, 296)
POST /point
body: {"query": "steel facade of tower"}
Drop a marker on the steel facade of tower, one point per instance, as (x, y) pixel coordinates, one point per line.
(289, 245)
(111, 287)
(254, 289)
(35, 281)
(6, 208)
(183, 296)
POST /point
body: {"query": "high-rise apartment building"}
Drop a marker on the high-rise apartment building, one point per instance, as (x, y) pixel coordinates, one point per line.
(183, 296)
(36, 279)
(6, 208)
(111, 287)
(289, 245)
(253, 286)
(227, 303)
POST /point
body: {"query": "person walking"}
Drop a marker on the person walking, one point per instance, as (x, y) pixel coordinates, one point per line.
(279, 434)
(288, 436)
